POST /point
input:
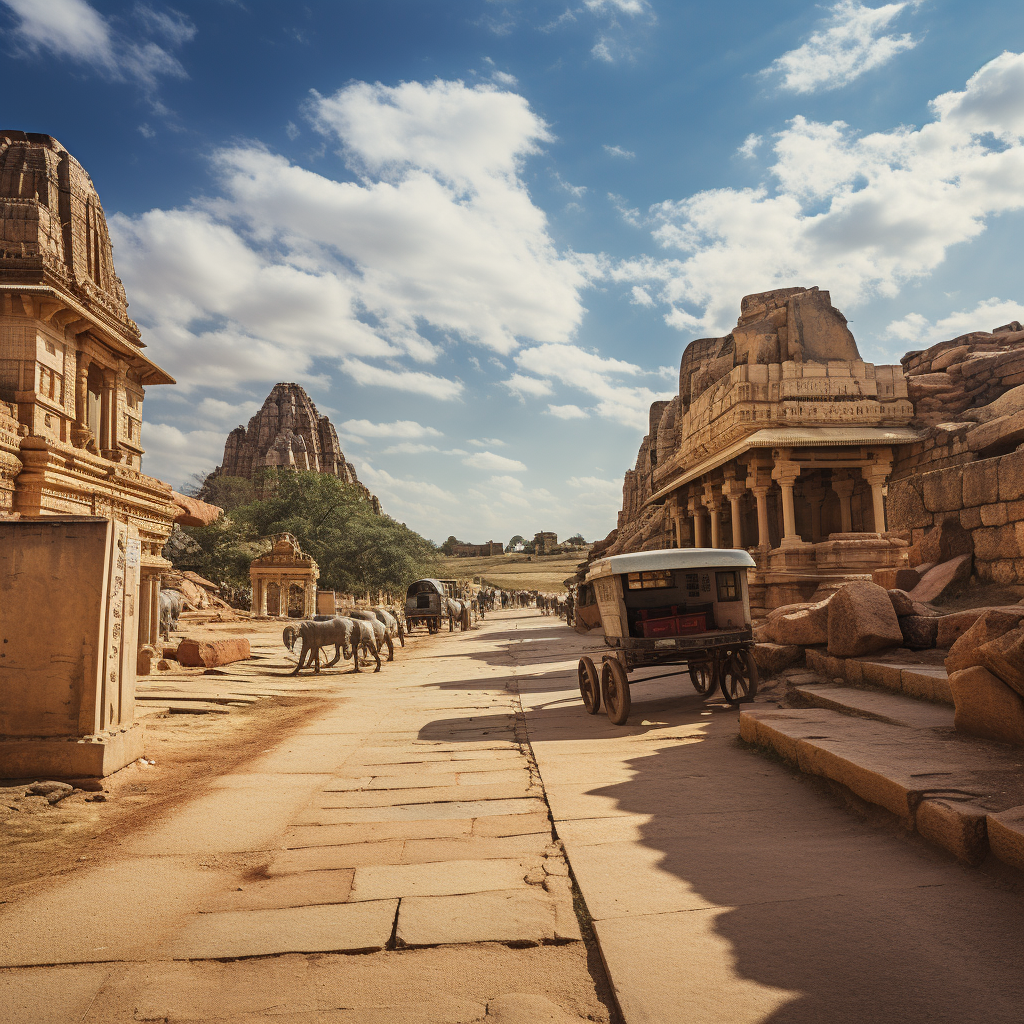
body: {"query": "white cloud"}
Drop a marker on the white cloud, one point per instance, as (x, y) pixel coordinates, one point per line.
(521, 386)
(510, 483)
(851, 43)
(641, 296)
(576, 190)
(489, 442)
(75, 30)
(914, 329)
(437, 239)
(402, 380)
(750, 144)
(402, 492)
(495, 463)
(634, 7)
(630, 214)
(504, 78)
(595, 483)
(593, 374)
(409, 448)
(180, 453)
(568, 412)
(626, 154)
(862, 215)
(602, 50)
(399, 428)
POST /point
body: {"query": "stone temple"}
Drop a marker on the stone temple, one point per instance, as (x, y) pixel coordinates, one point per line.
(781, 440)
(288, 433)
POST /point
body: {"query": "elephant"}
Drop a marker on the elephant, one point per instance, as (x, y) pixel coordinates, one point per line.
(392, 622)
(382, 633)
(347, 635)
(170, 606)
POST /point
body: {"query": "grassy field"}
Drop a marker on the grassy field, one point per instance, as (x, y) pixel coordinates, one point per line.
(517, 572)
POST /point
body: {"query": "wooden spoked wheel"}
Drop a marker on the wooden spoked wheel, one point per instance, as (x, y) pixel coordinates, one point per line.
(703, 677)
(739, 677)
(615, 690)
(590, 686)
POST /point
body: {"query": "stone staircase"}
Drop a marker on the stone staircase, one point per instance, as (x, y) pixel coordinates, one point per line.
(882, 727)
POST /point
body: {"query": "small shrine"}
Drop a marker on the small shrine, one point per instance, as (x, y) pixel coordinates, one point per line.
(276, 575)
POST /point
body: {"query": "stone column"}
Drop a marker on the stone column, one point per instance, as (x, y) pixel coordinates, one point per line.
(761, 497)
(108, 415)
(876, 477)
(713, 503)
(734, 490)
(696, 510)
(815, 496)
(843, 486)
(81, 435)
(309, 606)
(786, 474)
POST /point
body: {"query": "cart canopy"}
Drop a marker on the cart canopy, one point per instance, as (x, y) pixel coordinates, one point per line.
(672, 558)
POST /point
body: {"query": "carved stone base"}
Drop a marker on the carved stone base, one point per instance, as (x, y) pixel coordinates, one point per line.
(92, 756)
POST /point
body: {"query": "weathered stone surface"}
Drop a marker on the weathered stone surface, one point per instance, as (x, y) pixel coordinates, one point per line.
(944, 580)
(1006, 836)
(773, 658)
(861, 620)
(805, 627)
(1003, 655)
(1005, 431)
(211, 653)
(1011, 477)
(919, 631)
(996, 543)
(993, 623)
(902, 602)
(942, 491)
(986, 706)
(981, 482)
(949, 357)
(947, 540)
(906, 579)
(955, 826)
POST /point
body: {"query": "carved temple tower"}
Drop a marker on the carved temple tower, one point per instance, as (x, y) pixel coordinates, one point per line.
(72, 368)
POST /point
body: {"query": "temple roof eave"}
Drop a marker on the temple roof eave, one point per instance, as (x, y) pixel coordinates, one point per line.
(149, 372)
(790, 437)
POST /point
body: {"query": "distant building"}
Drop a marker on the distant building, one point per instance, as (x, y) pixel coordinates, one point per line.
(544, 543)
(492, 547)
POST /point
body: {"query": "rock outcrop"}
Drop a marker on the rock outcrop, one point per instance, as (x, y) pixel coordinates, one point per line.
(288, 433)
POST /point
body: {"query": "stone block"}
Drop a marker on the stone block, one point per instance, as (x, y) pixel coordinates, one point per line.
(970, 518)
(959, 828)
(986, 706)
(861, 620)
(954, 625)
(945, 580)
(906, 579)
(1006, 836)
(771, 659)
(991, 624)
(885, 578)
(919, 631)
(806, 627)
(991, 544)
(1003, 655)
(211, 653)
(942, 491)
(1005, 431)
(981, 482)
(947, 540)
(949, 357)
(905, 506)
(993, 515)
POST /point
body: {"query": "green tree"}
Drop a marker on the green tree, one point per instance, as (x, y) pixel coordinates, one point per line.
(355, 548)
(448, 547)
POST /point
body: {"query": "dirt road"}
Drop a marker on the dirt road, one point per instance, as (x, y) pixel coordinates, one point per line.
(397, 856)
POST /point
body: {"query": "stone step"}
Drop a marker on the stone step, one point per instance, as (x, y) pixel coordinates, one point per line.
(882, 706)
(964, 795)
(911, 678)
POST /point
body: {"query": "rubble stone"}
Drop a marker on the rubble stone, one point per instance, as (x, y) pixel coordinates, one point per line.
(771, 659)
(805, 627)
(986, 706)
(1003, 655)
(861, 620)
(211, 653)
(919, 631)
(993, 623)
(944, 580)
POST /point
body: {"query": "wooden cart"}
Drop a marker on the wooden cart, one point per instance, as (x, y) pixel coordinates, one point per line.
(685, 607)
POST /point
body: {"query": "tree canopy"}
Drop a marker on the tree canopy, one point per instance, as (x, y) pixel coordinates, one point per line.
(355, 548)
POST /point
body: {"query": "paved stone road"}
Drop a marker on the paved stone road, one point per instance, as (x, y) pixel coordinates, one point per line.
(409, 825)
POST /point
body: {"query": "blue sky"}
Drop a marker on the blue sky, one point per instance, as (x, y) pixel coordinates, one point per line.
(480, 233)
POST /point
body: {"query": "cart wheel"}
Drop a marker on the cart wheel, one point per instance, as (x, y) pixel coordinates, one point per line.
(615, 689)
(702, 676)
(739, 678)
(590, 686)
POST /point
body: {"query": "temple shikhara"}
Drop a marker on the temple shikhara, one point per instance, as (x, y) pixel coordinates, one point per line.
(288, 433)
(781, 440)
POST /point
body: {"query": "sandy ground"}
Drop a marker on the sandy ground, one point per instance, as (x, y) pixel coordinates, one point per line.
(518, 572)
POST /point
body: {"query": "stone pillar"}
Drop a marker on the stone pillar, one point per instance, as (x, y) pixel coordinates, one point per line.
(81, 435)
(698, 523)
(108, 416)
(815, 497)
(309, 605)
(843, 486)
(713, 503)
(876, 477)
(786, 474)
(761, 497)
(734, 490)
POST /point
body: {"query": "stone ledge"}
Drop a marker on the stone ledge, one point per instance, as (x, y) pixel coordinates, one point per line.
(912, 679)
(73, 757)
(947, 790)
